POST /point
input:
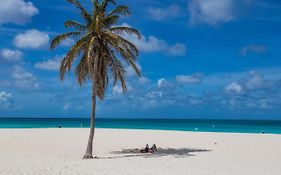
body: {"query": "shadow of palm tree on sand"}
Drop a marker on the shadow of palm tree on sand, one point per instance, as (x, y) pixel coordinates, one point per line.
(162, 152)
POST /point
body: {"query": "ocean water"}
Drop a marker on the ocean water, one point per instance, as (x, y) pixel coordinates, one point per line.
(234, 126)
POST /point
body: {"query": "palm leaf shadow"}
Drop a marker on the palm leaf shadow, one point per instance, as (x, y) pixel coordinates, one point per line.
(162, 152)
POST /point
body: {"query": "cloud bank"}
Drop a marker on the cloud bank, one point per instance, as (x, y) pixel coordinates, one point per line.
(16, 12)
(8, 55)
(211, 12)
(31, 39)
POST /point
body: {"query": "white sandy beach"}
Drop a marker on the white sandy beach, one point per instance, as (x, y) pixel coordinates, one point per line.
(59, 151)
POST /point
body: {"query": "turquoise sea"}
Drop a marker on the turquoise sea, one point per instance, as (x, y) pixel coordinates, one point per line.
(235, 126)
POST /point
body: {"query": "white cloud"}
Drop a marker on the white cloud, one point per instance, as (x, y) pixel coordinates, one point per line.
(160, 82)
(67, 42)
(211, 12)
(163, 83)
(233, 88)
(254, 48)
(164, 13)
(10, 55)
(117, 90)
(252, 82)
(154, 95)
(154, 44)
(256, 81)
(234, 95)
(150, 44)
(143, 80)
(5, 100)
(32, 39)
(189, 79)
(124, 25)
(24, 80)
(51, 64)
(177, 49)
(16, 12)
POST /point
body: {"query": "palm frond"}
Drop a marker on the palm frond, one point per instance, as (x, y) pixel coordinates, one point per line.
(136, 69)
(119, 43)
(104, 4)
(110, 20)
(125, 31)
(118, 72)
(70, 56)
(120, 10)
(78, 26)
(81, 71)
(58, 39)
(83, 11)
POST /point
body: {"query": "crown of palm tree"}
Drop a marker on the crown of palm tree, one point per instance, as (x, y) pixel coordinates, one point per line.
(99, 45)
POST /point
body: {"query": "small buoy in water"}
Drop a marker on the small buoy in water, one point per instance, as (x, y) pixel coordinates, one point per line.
(59, 126)
(262, 132)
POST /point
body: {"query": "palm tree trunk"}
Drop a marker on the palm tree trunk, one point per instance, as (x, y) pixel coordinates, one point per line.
(89, 150)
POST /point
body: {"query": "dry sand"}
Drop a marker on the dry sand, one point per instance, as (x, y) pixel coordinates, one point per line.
(59, 151)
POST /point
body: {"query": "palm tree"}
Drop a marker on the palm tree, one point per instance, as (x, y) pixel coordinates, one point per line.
(99, 43)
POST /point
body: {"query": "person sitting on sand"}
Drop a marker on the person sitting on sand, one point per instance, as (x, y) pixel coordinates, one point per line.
(153, 149)
(145, 150)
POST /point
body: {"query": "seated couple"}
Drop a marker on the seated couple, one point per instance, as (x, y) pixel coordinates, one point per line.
(149, 150)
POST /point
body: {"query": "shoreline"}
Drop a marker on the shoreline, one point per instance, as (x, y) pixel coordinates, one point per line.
(59, 151)
(149, 129)
(227, 126)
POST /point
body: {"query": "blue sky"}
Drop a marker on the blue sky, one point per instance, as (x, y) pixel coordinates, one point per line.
(199, 59)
